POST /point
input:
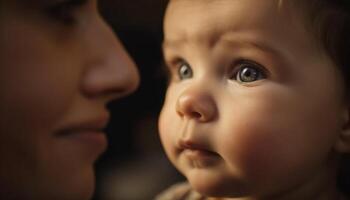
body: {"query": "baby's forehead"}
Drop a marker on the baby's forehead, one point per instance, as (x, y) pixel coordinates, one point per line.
(220, 15)
(280, 4)
(247, 11)
(210, 23)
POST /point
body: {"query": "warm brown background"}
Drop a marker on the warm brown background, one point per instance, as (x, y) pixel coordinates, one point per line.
(135, 167)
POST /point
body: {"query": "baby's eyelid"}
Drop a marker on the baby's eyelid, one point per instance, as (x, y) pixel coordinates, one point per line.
(178, 68)
(238, 65)
(171, 69)
(178, 60)
(254, 69)
(174, 62)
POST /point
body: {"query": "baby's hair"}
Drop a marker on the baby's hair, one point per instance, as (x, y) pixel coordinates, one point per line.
(329, 22)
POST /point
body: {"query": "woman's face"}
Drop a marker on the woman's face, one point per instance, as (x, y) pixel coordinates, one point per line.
(60, 65)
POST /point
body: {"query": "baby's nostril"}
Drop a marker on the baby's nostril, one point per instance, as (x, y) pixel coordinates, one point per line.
(196, 115)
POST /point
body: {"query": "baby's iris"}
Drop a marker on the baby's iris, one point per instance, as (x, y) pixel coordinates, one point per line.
(249, 73)
(185, 71)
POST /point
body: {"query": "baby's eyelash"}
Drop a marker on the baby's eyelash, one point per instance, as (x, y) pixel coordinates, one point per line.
(252, 71)
(173, 62)
(173, 66)
(240, 62)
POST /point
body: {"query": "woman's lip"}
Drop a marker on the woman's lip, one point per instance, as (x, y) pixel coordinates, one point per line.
(89, 136)
(92, 122)
(86, 134)
(93, 140)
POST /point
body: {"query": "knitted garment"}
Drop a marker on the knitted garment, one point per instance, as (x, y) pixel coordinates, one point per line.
(183, 191)
(180, 191)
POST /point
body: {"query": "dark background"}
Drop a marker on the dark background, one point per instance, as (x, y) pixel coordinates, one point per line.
(135, 167)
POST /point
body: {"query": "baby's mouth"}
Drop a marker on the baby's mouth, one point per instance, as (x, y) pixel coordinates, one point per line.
(196, 151)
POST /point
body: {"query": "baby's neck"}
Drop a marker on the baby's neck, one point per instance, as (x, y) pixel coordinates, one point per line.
(321, 186)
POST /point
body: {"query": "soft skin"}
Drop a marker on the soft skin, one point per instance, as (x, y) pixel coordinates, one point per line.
(273, 138)
(58, 71)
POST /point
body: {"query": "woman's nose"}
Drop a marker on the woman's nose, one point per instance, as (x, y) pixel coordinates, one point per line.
(197, 104)
(112, 73)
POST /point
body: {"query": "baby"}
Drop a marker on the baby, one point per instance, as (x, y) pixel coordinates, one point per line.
(257, 105)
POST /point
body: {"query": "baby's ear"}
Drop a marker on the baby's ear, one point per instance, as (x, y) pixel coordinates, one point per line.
(343, 142)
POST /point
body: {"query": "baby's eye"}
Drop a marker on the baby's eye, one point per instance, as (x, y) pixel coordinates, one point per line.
(248, 72)
(185, 71)
(64, 10)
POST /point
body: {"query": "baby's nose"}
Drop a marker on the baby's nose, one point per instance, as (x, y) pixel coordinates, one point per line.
(196, 104)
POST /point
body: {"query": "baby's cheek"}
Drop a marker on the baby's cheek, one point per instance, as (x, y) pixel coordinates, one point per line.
(164, 128)
(252, 150)
(167, 131)
(259, 151)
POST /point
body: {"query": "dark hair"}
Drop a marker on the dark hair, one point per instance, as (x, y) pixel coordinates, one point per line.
(329, 21)
(344, 175)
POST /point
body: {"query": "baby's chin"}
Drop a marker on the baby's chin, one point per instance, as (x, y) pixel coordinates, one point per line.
(211, 184)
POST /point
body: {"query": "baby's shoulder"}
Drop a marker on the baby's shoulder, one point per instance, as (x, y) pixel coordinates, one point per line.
(179, 191)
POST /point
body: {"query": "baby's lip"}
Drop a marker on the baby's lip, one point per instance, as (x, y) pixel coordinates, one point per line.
(199, 155)
(188, 144)
(193, 146)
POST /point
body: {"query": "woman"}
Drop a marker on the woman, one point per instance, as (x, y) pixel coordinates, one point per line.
(60, 66)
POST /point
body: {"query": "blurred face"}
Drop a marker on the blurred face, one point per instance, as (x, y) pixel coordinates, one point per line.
(254, 106)
(60, 66)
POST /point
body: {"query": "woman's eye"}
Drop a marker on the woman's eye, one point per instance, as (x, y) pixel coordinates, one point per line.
(64, 10)
(185, 71)
(249, 73)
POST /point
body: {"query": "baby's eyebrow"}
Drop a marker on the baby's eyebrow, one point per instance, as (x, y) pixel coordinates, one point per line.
(171, 44)
(263, 46)
(234, 42)
(227, 41)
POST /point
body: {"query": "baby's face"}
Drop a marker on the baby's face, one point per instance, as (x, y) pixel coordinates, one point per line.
(254, 106)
